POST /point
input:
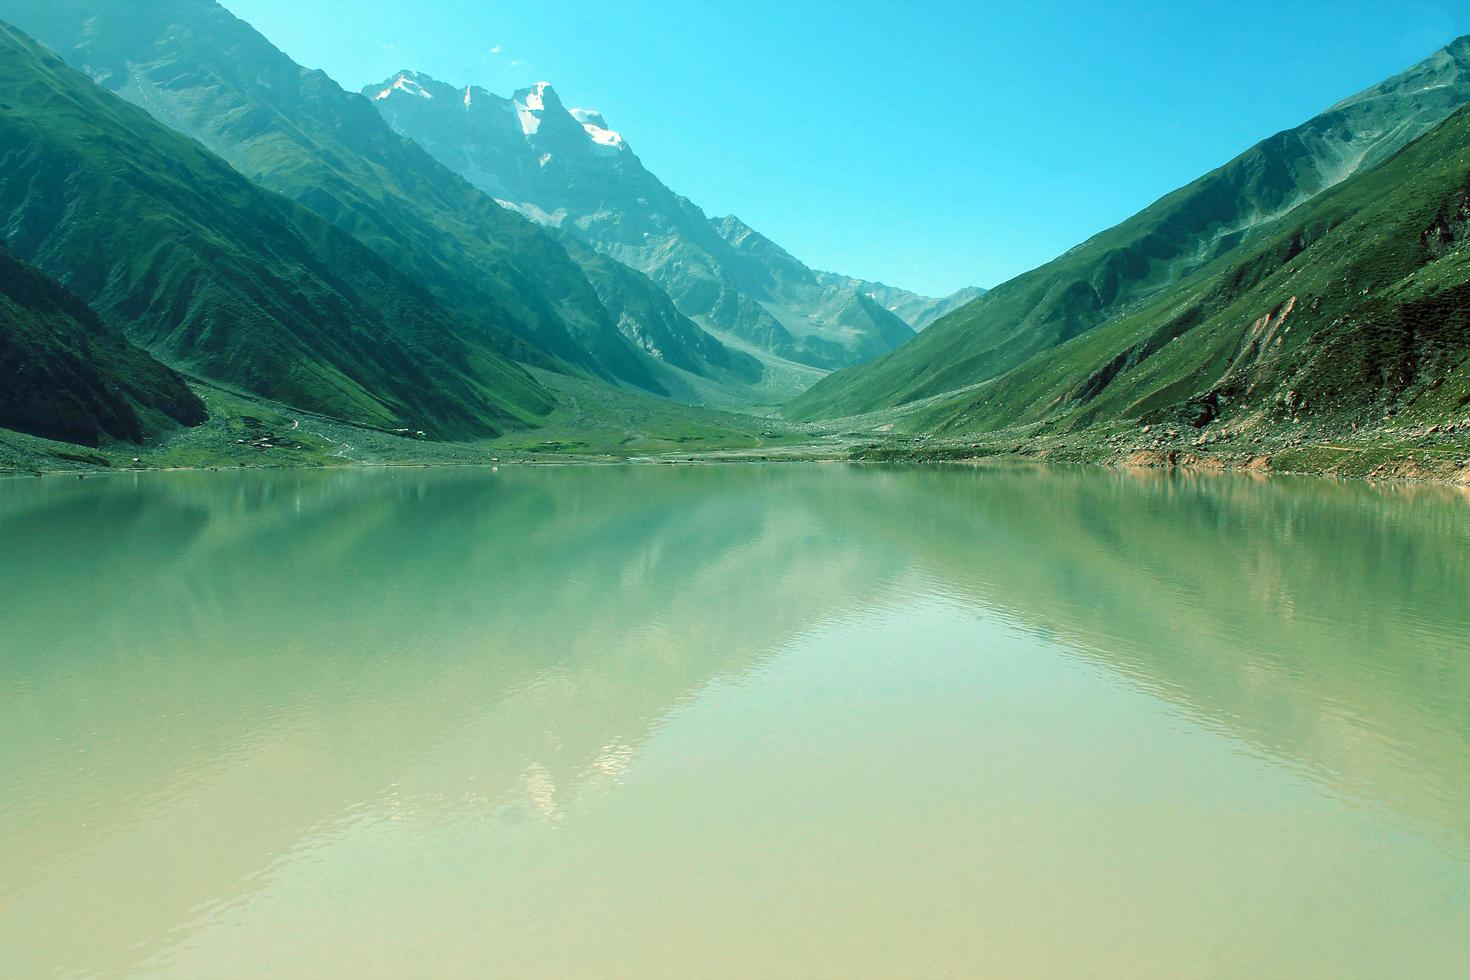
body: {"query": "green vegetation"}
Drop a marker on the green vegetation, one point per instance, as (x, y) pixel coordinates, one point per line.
(1109, 275)
(592, 422)
(69, 376)
(203, 72)
(1339, 341)
(224, 280)
(1305, 307)
(595, 421)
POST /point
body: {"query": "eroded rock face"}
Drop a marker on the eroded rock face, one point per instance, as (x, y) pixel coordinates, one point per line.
(1450, 227)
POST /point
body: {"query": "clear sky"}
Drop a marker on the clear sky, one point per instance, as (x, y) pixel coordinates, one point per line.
(924, 143)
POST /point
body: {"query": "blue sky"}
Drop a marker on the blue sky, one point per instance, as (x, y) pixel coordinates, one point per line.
(926, 144)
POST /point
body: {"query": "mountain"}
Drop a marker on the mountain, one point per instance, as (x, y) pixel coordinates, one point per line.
(567, 168)
(647, 317)
(207, 74)
(1124, 266)
(64, 374)
(1352, 310)
(220, 278)
(915, 310)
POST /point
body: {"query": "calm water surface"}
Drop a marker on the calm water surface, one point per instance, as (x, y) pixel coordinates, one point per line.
(732, 721)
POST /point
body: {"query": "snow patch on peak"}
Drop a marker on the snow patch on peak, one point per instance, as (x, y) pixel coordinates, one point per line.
(603, 137)
(535, 98)
(540, 106)
(403, 83)
(530, 103)
(467, 98)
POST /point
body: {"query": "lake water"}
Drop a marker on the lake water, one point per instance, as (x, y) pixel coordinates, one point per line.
(733, 721)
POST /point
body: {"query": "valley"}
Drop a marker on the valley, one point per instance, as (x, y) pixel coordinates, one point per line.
(438, 540)
(502, 274)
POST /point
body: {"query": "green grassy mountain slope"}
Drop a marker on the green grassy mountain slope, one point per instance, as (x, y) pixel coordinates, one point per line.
(1184, 231)
(202, 71)
(223, 279)
(1351, 310)
(66, 375)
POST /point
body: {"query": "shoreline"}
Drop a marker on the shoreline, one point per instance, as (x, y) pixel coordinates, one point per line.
(1451, 473)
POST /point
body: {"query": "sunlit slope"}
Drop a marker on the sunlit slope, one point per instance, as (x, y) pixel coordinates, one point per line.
(64, 374)
(223, 279)
(1111, 273)
(1354, 306)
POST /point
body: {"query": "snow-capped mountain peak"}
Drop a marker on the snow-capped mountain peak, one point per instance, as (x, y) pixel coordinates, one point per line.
(538, 98)
(531, 98)
(546, 125)
(597, 128)
(566, 167)
(589, 117)
(405, 82)
(534, 105)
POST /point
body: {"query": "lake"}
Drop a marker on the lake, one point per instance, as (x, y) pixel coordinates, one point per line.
(733, 721)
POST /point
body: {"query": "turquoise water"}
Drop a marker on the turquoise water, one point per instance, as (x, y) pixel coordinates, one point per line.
(786, 720)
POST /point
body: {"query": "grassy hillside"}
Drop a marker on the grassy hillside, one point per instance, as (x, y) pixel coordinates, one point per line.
(1356, 305)
(66, 375)
(202, 71)
(1112, 273)
(222, 279)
